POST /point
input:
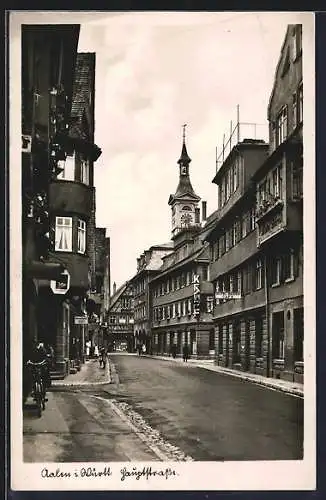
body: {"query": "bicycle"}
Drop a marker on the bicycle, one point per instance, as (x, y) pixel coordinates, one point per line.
(39, 390)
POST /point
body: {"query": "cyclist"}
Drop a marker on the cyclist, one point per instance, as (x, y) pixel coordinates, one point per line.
(40, 355)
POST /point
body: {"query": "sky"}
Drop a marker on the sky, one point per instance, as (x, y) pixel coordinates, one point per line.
(155, 72)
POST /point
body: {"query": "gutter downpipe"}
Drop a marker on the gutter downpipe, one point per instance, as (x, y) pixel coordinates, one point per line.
(267, 318)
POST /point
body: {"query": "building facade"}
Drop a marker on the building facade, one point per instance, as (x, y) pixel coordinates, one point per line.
(181, 293)
(279, 213)
(119, 331)
(148, 265)
(256, 244)
(48, 60)
(236, 265)
(63, 310)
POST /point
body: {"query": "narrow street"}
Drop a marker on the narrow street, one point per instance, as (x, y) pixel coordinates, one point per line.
(162, 410)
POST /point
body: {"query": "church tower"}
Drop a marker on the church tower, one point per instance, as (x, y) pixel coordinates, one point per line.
(184, 203)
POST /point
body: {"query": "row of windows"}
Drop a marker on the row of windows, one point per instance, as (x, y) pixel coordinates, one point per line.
(251, 276)
(238, 229)
(181, 308)
(224, 331)
(280, 129)
(230, 182)
(140, 287)
(63, 235)
(121, 320)
(173, 283)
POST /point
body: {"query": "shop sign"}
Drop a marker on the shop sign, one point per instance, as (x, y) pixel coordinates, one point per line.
(81, 320)
(61, 285)
(196, 284)
(227, 295)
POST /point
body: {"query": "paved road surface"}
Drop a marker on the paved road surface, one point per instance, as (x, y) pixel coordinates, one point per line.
(156, 407)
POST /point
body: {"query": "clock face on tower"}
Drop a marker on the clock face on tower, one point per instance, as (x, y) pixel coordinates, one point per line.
(183, 170)
(186, 220)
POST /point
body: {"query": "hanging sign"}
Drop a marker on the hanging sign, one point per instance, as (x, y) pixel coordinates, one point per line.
(61, 285)
(196, 284)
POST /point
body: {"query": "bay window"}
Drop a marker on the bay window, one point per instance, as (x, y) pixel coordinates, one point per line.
(68, 168)
(63, 234)
(81, 240)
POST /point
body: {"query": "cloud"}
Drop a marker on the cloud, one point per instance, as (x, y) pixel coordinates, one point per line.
(154, 72)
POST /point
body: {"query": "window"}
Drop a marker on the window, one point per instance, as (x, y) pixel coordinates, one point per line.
(276, 271)
(235, 176)
(281, 126)
(63, 234)
(259, 277)
(288, 265)
(205, 273)
(189, 306)
(300, 103)
(294, 110)
(68, 166)
(297, 178)
(277, 183)
(239, 278)
(252, 219)
(81, 236)
(296, 41)
(84, 172)
(113, 319)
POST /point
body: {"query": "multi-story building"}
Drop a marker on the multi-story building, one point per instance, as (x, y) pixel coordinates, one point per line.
(181, 293)
(119, 331)
(148, 265)
(236, 265)
(256, 244)
(95, 297)
(279, 213)
(48, 61)
(71, 207)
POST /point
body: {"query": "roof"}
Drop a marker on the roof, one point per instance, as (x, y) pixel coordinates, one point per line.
(245, 144)
(184, 158)
(193, 256)
(115, 297)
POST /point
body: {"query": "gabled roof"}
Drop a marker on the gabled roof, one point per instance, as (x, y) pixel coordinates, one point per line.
(115, 297)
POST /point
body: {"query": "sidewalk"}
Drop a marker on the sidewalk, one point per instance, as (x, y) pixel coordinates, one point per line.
(293, 388)
(89, 374)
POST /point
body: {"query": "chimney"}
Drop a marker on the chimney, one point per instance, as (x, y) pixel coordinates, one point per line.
(204, 210)
(197, 215)
(114, 287)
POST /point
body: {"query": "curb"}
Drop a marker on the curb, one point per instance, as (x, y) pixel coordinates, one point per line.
(264, 383)
(76, 383)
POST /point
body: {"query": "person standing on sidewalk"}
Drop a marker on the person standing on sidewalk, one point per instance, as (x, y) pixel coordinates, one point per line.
(185, 353)
(143, 349)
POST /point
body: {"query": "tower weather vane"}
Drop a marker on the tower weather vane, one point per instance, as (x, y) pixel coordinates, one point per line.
(184, 131)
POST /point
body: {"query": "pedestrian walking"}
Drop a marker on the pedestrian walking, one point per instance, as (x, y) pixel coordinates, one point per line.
(96, 352)
(174, 351)
(143, 349)
(185, 353)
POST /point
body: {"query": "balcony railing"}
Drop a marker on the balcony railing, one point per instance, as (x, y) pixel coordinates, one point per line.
(241, 132)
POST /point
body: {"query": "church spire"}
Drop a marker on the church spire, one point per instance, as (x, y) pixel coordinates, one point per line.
(184, 158)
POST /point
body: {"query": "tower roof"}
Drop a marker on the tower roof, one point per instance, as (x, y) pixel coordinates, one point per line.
(184, 188)
(184, 158)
